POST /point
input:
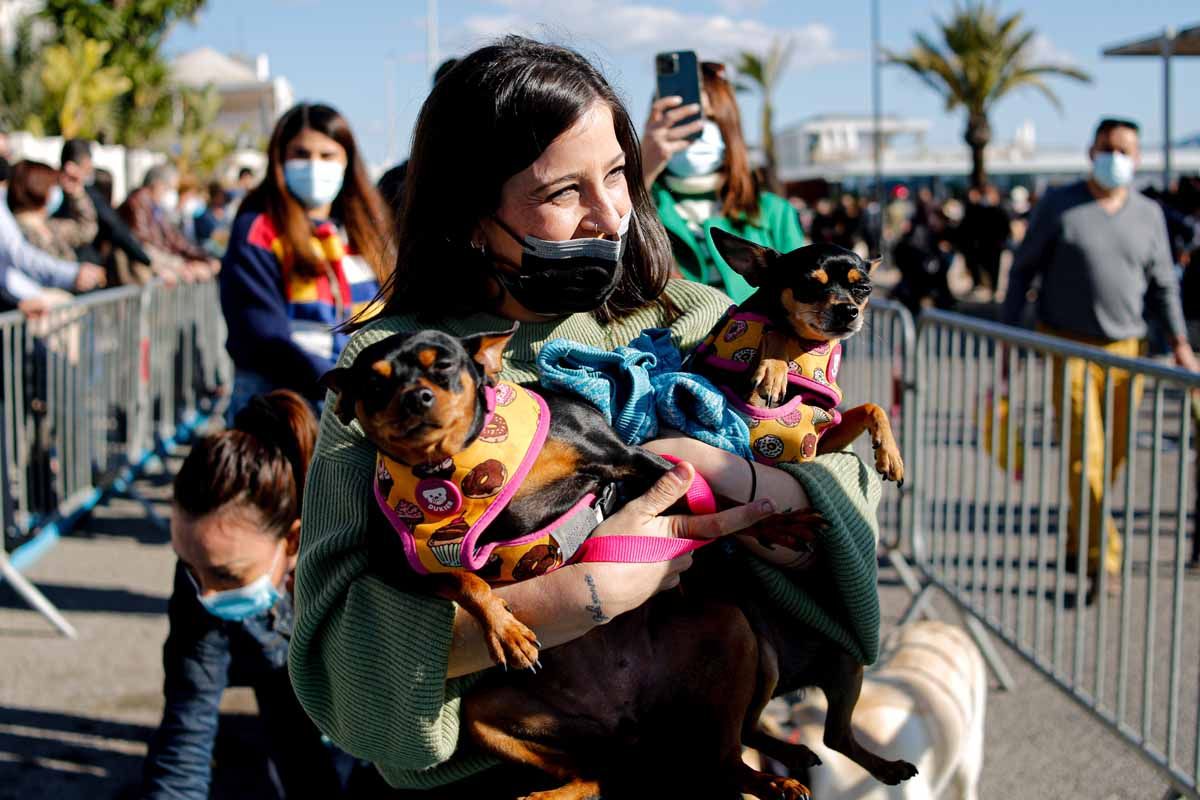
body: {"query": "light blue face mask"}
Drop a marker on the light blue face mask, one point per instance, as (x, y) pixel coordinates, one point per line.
(235, 605)
(702, 157)
(314, 183)
(54, 200)
(1113, 170)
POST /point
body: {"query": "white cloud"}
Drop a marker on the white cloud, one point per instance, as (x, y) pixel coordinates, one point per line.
(632, 27)
(1043, 51)
(740, 6)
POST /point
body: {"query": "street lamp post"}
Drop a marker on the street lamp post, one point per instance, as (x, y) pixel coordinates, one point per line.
(877, 114)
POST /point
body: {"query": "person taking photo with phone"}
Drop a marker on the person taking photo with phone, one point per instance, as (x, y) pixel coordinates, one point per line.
(708, 183)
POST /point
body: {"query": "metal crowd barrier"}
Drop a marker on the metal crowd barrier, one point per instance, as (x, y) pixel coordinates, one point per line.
(994, 506)
(93, 393)
(874, 364)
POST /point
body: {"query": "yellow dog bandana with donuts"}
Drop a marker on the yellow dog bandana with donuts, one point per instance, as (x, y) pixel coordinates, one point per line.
(791, 432)
(442, 510)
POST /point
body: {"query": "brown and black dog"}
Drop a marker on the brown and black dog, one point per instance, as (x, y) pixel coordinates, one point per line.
(814, 296)
(656, 702)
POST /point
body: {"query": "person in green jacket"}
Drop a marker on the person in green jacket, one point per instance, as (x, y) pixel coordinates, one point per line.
(520, 150)
(708, 183)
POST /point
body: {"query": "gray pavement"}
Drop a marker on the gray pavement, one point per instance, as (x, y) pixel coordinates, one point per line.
(75, 715)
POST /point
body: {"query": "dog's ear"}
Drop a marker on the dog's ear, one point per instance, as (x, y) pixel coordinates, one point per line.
(487, 349)
(751, 261)
(340, 382)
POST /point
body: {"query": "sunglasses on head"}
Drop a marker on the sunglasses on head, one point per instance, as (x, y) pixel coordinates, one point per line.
(713, 69)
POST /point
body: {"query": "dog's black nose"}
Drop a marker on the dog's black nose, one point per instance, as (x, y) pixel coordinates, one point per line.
(845, 313)
(419, 400)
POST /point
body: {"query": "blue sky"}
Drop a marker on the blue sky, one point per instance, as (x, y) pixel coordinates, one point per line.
(341, 51)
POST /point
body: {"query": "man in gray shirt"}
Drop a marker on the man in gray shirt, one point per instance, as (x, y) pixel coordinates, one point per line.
(1102, 254)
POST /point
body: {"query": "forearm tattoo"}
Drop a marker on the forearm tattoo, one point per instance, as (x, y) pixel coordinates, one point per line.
(596, 610)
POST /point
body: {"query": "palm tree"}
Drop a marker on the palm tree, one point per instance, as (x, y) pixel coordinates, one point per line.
(983, 59)
(764, 72)
(80, 92)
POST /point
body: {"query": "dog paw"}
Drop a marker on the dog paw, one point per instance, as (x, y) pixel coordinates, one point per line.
(775, 787)
(888, 462)
(894, 772)
(511, 643)
(770, 381)
(798, 757)
(794, 531)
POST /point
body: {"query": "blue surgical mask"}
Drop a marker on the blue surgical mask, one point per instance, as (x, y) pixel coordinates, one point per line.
(702, 157)
(54, 201)
(314, 183)
(1112, 170)
(257, 597)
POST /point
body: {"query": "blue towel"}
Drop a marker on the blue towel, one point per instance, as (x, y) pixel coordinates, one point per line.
(692, 404)
(638, 386)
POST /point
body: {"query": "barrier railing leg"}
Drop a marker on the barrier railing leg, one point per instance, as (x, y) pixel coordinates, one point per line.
(904, 571)
(991, 655)
(34, 598)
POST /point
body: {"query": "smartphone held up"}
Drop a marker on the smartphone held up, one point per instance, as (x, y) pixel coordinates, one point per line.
(677, 73)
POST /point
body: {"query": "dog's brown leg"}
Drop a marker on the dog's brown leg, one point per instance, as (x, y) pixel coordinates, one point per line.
(509, 641)
(578, 789)
(792, 756)
(507, 723)
(867, 417)
(841, 685)
(771, 376)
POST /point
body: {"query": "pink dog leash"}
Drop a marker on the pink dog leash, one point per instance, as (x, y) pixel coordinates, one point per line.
(631, 549)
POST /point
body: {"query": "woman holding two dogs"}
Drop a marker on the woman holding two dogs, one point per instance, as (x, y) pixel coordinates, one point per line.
(521, 146)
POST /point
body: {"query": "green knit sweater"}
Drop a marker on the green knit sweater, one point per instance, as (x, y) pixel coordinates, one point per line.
(368, 662)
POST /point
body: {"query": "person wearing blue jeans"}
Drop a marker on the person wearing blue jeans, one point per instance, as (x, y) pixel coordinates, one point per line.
(235, 526)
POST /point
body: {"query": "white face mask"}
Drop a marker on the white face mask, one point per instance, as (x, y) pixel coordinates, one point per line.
(702, 157)
(1112, 170)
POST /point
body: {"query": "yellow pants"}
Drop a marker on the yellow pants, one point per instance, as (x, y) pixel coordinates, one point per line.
(1087, 397)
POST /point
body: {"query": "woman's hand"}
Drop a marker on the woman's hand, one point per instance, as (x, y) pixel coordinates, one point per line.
(567, 603)
(733, 477)
(615, 588)
(662, 138)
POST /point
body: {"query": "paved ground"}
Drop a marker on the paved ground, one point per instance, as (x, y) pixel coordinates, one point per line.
(74, 716)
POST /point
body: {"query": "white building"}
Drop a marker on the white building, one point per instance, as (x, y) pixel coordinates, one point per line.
(251, 99)
(11, 13)
(840, 149)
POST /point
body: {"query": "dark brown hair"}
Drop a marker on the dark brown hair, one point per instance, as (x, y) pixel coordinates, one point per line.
(487, 119)
(358, 205)
(261, 461)
(1112, 123)
(29, 185)
(739, 192)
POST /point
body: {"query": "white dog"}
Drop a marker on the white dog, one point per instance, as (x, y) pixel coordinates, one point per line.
(925, 705)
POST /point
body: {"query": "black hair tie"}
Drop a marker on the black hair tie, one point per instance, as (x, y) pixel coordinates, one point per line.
(753, 479)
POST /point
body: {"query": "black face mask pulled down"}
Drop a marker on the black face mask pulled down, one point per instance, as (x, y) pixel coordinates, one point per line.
(567, 277)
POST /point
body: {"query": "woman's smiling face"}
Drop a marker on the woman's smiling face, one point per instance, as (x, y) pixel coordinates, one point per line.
(576, 189)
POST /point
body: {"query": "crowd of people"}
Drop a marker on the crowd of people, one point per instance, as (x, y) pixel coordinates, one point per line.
(314, 263)
(60, 234)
